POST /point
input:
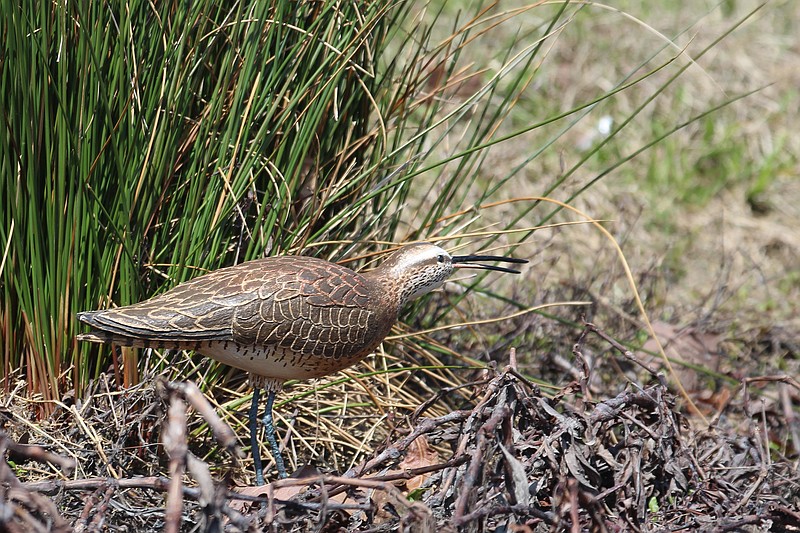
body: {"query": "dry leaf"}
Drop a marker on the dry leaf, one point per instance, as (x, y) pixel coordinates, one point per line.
(419, 455)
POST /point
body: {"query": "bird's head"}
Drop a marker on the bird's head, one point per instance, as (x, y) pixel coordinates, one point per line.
(420, 268)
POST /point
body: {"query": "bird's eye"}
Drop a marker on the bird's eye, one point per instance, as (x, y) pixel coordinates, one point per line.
(440, 258)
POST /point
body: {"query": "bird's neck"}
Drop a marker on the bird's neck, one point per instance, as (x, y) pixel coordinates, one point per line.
(396, 287)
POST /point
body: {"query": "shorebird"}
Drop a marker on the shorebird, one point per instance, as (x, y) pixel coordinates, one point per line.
(281, 318)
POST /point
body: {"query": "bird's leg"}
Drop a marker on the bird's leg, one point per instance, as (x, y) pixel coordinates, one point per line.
(253, 416)
(269, 428)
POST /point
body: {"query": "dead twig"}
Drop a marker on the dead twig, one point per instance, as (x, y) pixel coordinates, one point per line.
(427, 425)
(95, 509)
(611, 408)
(176, 447)
(621, 349)
(416, 515)
(38, 453)
(478, 462)
(222, 431)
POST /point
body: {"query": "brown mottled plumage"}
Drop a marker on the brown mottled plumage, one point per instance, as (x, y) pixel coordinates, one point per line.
(282, 318)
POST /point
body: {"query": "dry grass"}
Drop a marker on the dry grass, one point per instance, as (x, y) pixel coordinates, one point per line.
(494, 452)
(713, 210)
(707, 218)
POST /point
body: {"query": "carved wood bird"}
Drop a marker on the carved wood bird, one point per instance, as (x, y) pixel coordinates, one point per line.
(280, 318)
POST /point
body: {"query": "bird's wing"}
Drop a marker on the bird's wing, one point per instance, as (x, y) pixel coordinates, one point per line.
(197, 310)
(298, 303)
(314, 308)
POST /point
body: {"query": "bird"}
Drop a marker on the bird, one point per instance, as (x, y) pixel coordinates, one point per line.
(283, 317)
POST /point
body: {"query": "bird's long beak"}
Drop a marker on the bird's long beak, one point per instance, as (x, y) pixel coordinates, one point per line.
(468, 261)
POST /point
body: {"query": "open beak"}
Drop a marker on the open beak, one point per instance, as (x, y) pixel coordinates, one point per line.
(469, 261)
